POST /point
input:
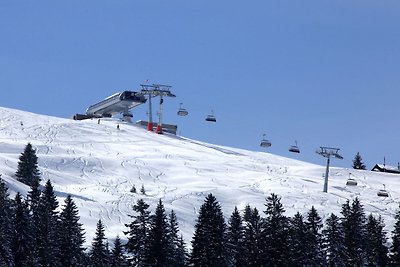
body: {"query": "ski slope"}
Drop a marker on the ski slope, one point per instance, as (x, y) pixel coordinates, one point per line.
(98, 165)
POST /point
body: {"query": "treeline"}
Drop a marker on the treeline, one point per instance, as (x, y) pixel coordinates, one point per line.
(34, 233)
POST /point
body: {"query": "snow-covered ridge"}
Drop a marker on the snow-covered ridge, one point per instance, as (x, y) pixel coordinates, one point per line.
(98, 165)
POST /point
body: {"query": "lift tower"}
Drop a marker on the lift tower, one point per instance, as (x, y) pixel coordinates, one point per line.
(328, 152)
(152, 91)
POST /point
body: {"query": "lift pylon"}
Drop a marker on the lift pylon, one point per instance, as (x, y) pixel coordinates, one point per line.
(152, 91)
(328, 152)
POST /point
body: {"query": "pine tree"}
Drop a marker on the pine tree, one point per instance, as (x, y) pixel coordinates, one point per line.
(99, 255)
(358, 163)
(209, 237)
(157, 247)
(47, 239)
(275, 233)
(235, 239)
(22, 243)
(71, 236)
(299, 246)
(333, 242)
(376, 250)
(315, 255)
(33, 201)
(6, 228)
(142, 190)
(394, 256)
(118, 258)
(353, 223)
(177, 254)
(138, 232)
(28, 172)
(252, 242)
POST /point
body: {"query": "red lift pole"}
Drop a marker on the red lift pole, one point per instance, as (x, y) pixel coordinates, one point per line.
(156, 90)
(150, 122)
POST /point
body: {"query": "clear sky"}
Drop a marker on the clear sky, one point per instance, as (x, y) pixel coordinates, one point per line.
(324, 73)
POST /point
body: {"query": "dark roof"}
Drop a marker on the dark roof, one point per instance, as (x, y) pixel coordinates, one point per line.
(385, 168)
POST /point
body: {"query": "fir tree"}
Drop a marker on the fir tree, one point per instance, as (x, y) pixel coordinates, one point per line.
(28, 172)
(71, 236)
(142, 190)
(99, 255)
(47, 239)
(333, 242)
(33, 201)
(358, 162)
(6, 228)
(235, 239)
(177, 254)
(299, 246)
(275, 233)
(181, 254)
(394, 256)
(315, 255)
(22, 243)
(376, 250)
(353, 223)
(157, 247)
(138, 232)
(118, 258)
(252, 243)
(209, 237)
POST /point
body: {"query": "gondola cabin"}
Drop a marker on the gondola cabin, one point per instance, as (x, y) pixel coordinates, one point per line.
(211, 117)
(264, 142)
(351, 182)
(383, 193)
(182, 111)
(294, 149)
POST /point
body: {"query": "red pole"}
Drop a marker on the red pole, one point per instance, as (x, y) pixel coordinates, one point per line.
(159, 124)
(150, 122)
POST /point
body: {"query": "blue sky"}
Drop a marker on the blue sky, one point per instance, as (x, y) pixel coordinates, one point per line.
(324, 73)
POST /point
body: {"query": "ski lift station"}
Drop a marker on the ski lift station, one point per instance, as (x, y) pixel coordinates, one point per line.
(121, 103)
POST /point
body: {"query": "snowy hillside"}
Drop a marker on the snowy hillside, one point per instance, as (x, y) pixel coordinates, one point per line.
(98, 165)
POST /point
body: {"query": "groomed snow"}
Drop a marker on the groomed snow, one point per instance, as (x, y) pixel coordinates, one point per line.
(98, 165)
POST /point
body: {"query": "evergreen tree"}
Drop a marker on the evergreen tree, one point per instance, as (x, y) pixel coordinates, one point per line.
(138, 232)
(275, 233)
(48, 219)
(118, 258)
(28, 172)
(252, 243)
(299, 246)
(142, 190)
(333, 242)
(235, 239)
(315, 255)
(6, 229)
(157, 247)
(209, 237)
(181, 254)
(22, 243)
(376, 250)
(358, 162)
(177, 254)
(394, 256)
(71, 236)
(33, 201)
(99, 255)
(47, 239)
(353, 223)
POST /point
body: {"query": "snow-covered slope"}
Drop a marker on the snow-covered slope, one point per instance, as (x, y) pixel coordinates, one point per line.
(98, 165)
